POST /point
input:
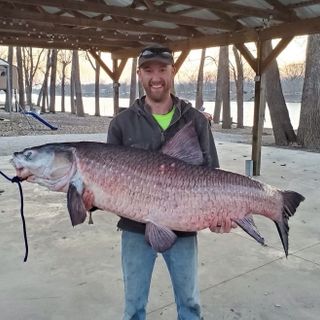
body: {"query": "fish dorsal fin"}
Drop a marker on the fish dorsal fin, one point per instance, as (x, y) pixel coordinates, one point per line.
(184, 145)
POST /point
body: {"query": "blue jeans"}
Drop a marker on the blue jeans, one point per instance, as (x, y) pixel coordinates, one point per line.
(138, 260)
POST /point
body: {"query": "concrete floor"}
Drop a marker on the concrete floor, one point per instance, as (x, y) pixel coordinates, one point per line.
(74, 273)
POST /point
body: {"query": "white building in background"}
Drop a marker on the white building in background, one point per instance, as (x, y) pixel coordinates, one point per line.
(6, 84)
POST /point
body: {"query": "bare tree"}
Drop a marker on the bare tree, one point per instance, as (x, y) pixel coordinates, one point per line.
(8, 105)
(64, 58)
(53, 76)
(43, 94)
(77, 84)
(72, 89)
(293, 71)
(20, 77)
(96, 68)
(281, 125)
(223, 90)
(199, 90)
(309, 129)
(219, 84)
(238, 79)
(30, 65)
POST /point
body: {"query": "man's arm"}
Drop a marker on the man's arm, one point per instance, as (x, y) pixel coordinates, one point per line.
(114, 133)
(207, 144)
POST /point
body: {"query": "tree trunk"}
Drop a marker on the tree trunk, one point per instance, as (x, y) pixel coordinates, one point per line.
(133, 86)
(199, 90)
(219, 83)
(20, 77)
(309, 129)
(282, 128)
(43, 95)
(97, 89)
(63, 86)
(8, 104)
(52, 107)
(239, 87)
(72, 101)
(226, 112)
(28, 67)
(77, 83)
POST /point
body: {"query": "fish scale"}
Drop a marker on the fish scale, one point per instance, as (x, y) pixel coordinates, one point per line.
(135, 176)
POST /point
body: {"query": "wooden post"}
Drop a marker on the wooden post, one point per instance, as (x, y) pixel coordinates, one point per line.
(259, 110)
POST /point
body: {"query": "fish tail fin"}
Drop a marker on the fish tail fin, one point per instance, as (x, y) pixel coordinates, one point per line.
(291, 201)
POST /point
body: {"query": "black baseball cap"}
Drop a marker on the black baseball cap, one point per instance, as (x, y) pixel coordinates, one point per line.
(156, 53)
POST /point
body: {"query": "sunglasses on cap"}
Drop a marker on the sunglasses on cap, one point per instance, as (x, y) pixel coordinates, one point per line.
(156, 52)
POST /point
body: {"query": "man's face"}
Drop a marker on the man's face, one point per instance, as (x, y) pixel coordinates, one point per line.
(156, 79)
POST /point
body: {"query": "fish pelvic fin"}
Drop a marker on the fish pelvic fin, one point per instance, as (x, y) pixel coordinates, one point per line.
(76, 207)
(159, 237)
(291, 201)
(248, 225)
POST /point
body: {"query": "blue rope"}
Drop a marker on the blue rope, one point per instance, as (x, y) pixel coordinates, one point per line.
(17, 180)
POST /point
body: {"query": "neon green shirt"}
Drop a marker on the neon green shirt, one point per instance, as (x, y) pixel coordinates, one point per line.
(164, 119)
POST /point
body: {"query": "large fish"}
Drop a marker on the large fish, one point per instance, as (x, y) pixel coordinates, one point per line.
(167, 190)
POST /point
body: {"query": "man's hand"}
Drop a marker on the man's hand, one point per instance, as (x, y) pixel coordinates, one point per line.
(207, 115)
(223, 225)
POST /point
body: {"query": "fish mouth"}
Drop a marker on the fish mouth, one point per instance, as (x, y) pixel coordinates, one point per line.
(21, 172)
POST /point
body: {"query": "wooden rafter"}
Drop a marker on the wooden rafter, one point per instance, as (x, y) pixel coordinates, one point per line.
(125, 12)
(235, 8)
(87, 22)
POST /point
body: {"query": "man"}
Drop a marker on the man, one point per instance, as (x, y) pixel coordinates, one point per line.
(148, 124)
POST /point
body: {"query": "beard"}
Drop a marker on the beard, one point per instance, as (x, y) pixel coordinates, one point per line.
(157, 95)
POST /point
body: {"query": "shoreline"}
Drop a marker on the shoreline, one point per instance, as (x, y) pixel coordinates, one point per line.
(16, 124)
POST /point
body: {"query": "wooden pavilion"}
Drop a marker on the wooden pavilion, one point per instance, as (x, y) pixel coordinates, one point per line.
(123, 27)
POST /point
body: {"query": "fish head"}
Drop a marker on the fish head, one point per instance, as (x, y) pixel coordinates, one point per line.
(50, 165)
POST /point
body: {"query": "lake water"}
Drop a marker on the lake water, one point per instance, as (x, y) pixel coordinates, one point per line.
(106, 109)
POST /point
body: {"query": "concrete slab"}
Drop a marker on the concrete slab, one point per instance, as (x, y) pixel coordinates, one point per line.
(74, 273)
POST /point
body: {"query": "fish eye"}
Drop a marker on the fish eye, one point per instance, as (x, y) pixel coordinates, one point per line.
(28, 155)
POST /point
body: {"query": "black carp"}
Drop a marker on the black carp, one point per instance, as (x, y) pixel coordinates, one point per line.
(167, 190)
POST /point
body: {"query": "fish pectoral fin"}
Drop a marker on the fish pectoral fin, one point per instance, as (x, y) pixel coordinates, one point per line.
(159, 237)
(76, 207)
(248, 225)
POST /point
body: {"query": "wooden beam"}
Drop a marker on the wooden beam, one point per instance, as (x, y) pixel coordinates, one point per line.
(295, 28)
(198, 42)
(125, 12)
(108, 25)
(65, 31)
(303, 4)
(119, 68)
(71, 39)
(102, 64)
(275, 52)
(281, 8)
(244, 10)
(258, 117)
(247, 55)
(182, 57)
